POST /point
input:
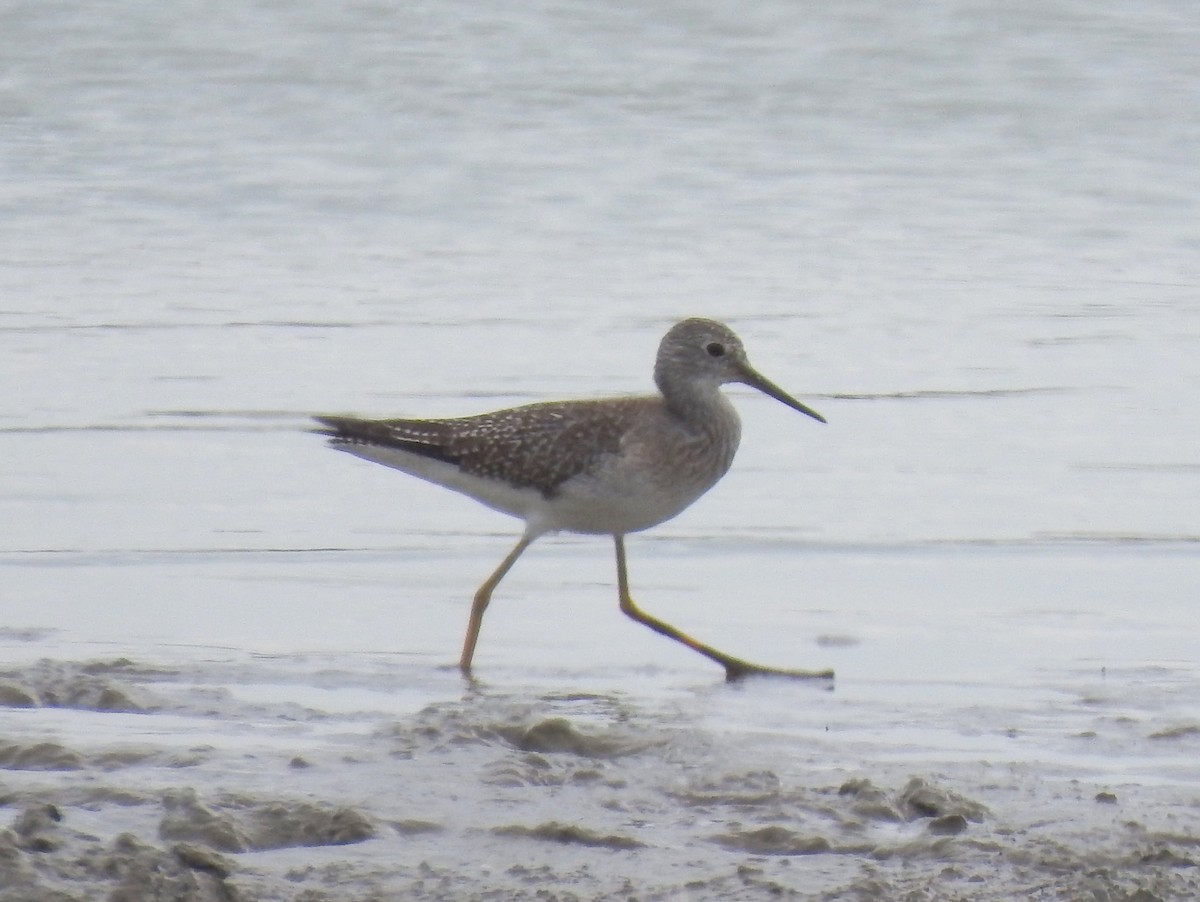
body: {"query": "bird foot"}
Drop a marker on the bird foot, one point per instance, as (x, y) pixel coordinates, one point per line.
(735, 671)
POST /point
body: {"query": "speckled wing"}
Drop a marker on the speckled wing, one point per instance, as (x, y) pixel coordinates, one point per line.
(539, 446)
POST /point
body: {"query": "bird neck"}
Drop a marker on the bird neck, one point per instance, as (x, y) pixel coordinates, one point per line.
(697, 403)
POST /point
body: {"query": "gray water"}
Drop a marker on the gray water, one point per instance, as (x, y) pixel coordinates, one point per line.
(967, 233)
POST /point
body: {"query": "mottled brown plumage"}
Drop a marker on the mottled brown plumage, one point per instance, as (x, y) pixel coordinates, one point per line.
(538, 446)
(613, 466)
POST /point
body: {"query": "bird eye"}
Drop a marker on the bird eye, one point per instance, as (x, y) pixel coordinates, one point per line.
(715, 349)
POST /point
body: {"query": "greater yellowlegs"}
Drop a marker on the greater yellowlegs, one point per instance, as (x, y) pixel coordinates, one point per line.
(605, 467)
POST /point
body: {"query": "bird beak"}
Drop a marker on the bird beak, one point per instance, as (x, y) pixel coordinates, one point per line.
(752, 378)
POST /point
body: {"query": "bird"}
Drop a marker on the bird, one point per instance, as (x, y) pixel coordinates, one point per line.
(606, 466)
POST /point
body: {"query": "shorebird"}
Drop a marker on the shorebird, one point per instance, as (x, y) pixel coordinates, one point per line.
(610, 466)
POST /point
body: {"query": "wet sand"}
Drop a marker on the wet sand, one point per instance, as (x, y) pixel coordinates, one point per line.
(138, 780)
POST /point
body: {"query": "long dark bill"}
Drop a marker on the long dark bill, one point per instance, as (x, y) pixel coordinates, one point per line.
(756, 380)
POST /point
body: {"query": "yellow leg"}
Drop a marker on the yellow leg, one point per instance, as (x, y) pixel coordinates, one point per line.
(484, 595)
(735, 668)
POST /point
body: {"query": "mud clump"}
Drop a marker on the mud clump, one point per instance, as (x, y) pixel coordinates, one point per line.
(947, 811)
(281, 825)
(35, 828)
(557, 735)
(187, 819)
(42, 858)
(919, 799)
(144, 873)
(570, 834)
(38, 756)
(1184, 731)
(13, 695)
(65, 684)
(243, 825)
(773, 840)
(947, 825)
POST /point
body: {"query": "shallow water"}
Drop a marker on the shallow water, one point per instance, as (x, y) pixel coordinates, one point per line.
(967, 236)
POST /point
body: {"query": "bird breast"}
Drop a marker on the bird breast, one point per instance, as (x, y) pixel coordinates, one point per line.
(663, 464)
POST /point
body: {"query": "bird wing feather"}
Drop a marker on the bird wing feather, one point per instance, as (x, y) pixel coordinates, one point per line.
(538, 446)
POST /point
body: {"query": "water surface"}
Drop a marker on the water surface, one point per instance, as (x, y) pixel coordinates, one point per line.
(966, 234)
